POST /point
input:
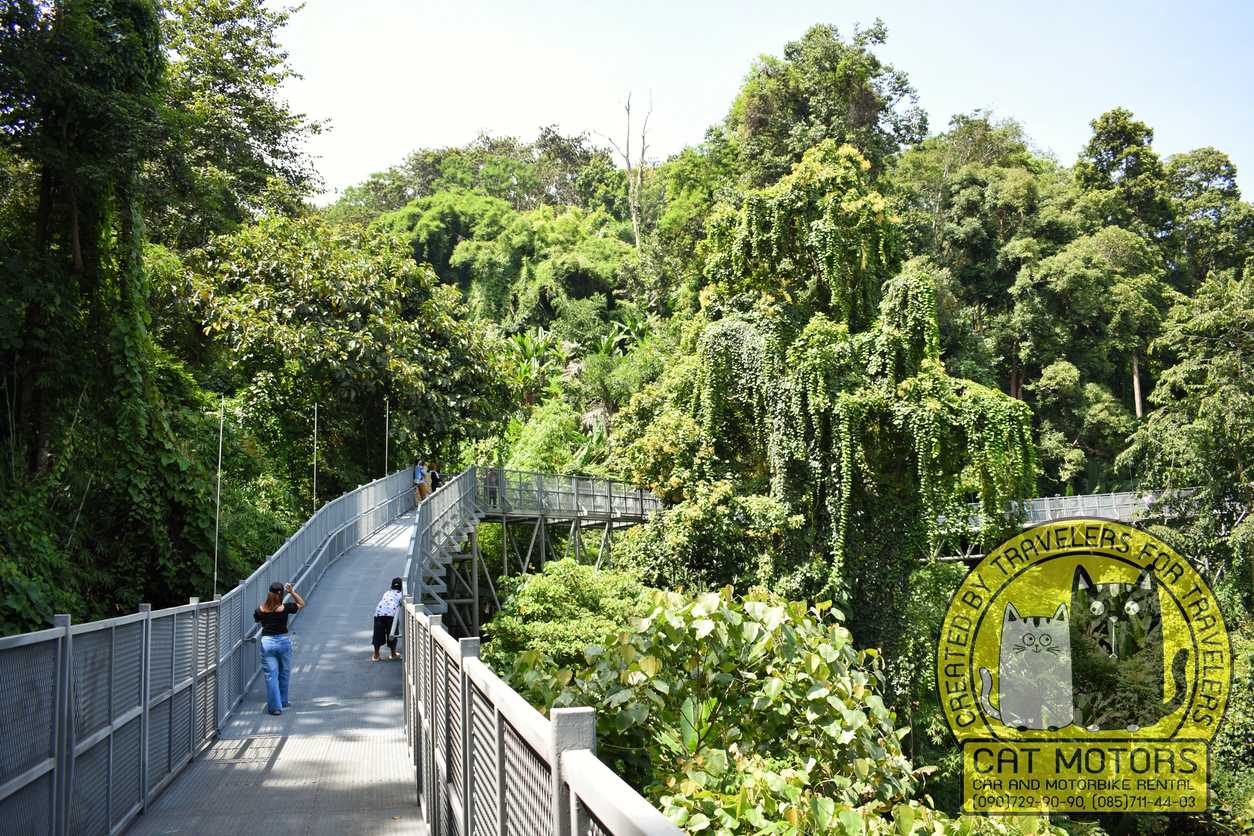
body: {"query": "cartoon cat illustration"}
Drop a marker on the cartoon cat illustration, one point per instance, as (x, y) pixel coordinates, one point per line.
(1034, 672)
(1117, 654)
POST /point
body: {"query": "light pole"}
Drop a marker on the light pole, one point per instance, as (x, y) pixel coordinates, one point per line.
(315, 460)
(217, 511)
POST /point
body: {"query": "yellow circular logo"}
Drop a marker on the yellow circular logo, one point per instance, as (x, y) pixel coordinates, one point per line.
(1084, 666)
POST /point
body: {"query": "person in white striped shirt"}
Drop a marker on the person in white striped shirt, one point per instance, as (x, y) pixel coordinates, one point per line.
(384, 615)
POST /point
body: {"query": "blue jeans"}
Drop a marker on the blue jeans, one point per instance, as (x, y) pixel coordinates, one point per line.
(276, 664)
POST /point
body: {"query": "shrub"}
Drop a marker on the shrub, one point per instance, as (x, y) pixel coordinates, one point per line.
(560, 611)
(747, 715)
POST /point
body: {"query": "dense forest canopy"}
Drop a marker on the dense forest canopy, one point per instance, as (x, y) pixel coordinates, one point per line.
(821, 333)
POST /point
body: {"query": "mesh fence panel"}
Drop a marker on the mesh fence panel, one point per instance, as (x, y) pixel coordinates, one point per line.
(29, 810)
(207, 653)
(206, 707)
(90, 813)
(92, 654)
(181, 725)
(128, 666)
(594, 827)
(441, 820)
(439, 717)
(482, 764)
(453, 676)
(161, 656)
(528, 803)
(28, 685)
(158, 743)
(184, 647)
(125, 789)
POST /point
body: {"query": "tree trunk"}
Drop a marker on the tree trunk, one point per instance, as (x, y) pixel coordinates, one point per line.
(1136, 387)
(633, 204)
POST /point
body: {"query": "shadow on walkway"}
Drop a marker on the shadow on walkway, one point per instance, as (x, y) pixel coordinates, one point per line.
(336, 761)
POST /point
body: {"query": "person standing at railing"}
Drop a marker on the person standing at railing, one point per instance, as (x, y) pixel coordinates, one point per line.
(276, 644)
(384, 615)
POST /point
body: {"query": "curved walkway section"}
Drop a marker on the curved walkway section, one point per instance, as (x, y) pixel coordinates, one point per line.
(336, 762)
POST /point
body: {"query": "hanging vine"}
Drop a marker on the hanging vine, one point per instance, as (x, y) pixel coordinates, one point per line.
(836, 377)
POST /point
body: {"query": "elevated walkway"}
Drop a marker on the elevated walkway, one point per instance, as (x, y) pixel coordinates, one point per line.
(154, 722)
(337, 761)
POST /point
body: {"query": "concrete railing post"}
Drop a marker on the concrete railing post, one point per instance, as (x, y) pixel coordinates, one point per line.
(498, 742)
(570, 728)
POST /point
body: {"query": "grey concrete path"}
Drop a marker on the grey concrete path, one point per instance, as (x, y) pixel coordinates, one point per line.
(336, 761)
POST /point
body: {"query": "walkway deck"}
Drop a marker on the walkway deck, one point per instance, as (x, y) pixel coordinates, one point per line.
(336, 762)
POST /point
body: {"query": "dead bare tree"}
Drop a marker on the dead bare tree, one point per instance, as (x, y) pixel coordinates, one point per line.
(635, 170)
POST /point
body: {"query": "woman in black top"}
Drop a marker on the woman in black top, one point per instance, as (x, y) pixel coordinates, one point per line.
(276, 645)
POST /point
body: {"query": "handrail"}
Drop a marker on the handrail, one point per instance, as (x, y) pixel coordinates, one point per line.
(312, 562)
(461, 718)
(98, 718)
(609, 799)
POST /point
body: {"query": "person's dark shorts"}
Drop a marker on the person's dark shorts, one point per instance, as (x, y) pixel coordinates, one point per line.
(382, 627)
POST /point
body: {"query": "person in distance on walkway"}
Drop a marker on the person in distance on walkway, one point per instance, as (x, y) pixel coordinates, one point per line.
(384, 615)
(420, 483)
(276, 644)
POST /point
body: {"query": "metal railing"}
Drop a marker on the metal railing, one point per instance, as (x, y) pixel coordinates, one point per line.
(526, 492)
(96, 719)
(1125, 506)
(487, 762)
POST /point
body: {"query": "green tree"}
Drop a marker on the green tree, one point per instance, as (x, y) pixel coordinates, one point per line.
(819, 384)
(1122, 176)
(744, 714)
(101, 418)
(1084, 317)
(979, 204)
(824, 88)
(79, 83)
(1214, 227)
(311, 313)
(230, 145)
(555, 169)
(559, 611)
(1194, 449)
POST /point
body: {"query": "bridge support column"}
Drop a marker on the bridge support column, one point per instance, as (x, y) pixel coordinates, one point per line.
(544, 535)
(607, 543)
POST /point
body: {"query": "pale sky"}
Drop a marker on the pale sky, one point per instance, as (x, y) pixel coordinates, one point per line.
(393, 76)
